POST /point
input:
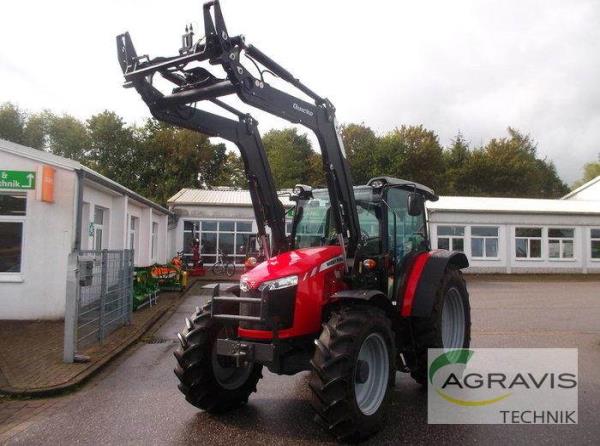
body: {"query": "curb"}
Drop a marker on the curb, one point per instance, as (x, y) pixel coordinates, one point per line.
(86, 374)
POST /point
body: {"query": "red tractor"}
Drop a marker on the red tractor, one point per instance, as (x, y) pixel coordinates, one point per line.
(352, 296)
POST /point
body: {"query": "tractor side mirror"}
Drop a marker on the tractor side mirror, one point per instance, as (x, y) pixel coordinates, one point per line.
(415, 204)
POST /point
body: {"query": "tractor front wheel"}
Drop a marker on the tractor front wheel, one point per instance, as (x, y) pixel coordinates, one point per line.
(352, 369)
(208, 381)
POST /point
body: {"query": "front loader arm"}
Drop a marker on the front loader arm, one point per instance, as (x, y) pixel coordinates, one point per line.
(243, 133)
(316, 113)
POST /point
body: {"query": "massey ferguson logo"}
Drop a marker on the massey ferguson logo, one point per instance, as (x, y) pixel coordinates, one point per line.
(302, 109)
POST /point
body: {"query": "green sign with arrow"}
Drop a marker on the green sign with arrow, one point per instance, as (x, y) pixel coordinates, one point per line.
(17, 179)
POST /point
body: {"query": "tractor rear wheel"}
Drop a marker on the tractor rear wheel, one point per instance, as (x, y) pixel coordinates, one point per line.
(208, 381)
(448, 327)
(352, 369)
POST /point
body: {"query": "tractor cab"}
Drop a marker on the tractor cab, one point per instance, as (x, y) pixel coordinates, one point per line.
(393, 227)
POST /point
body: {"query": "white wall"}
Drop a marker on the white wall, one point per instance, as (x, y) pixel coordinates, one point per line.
(120, 209)
(39, 292)
(507, 262)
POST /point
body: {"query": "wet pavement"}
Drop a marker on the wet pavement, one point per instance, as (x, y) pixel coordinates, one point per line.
(135, 400)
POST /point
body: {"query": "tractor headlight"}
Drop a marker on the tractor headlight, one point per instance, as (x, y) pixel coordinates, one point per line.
(244, 285)
(277, 284)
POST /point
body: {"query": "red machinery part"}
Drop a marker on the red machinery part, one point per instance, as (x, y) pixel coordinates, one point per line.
(318, 270)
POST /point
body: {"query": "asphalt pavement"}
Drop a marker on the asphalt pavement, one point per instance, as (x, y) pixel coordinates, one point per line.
(135, 400)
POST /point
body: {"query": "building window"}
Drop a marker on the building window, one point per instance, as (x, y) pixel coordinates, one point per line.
(560, 243)
(154, 240)
(133, 224)
(98, 227)
(484, 241)
(451, 238)
(230, 236)
(595, 243)
(528, 243)
(12, 219)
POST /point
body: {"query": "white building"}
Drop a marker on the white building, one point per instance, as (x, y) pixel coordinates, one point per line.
(69, 207)
(222, 218)
(498, 235)
(519, 235)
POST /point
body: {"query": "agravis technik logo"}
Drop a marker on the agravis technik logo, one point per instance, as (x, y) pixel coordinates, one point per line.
(506, 386)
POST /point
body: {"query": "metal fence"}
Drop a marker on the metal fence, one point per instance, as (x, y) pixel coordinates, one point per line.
(100, 299)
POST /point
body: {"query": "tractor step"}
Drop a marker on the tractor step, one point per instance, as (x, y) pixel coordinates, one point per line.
(244, 351)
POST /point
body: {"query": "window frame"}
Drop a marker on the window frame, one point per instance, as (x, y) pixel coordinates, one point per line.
(593, 239)
(197, 230)
(528, 238)
(386, 225)
(484, 238)
(154, 241)
(132, 239)
(16, 277)
(101, 227)
(561, 244)
(451, 238)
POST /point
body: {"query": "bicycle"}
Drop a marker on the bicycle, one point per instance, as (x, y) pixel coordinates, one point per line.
(223, 265)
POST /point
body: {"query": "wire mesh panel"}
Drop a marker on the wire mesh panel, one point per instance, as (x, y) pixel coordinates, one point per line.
(105, 293)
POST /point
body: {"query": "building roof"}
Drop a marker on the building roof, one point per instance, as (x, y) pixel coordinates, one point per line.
(581, 188)
(69, 164)
(218, 196)
(514, 205)
(233, 197)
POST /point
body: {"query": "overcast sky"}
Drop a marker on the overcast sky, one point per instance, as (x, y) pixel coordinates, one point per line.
(473, 66)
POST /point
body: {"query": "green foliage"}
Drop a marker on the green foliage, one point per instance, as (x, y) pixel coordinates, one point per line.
(157, 160)
(12, 121)
(232, 172)
(507, 167)
(361, 146)
(289, 154)
(590, 171)
(112, 148)
(68, 137)
(412, 153)
(35, 130)
(169, 158)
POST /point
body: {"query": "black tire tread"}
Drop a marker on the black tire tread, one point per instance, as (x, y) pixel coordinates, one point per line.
(194, 369)
(333, 371)
(427, 331)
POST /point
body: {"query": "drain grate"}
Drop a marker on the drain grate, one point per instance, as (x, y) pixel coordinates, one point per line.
(158, 340)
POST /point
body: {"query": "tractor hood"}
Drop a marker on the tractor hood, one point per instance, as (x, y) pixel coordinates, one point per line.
(297, 262)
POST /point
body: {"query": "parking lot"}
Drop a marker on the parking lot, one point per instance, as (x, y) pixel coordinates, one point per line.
(135, 400)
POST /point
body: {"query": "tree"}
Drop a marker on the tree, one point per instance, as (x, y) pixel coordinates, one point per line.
(36, 130)
(232, 172)
(68, 137)
(112, 148)
(456, 157)
(289, 155)
(590, 171)
(361, 146)
(169, 158)
(509, 167)
(412, 153)
(12, 121)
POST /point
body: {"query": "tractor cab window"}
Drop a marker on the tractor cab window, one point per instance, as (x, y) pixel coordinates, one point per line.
(406, 233)
(368, 212)
(313, 227)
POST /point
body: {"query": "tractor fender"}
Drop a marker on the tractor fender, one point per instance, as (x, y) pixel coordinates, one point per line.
(424, 279)
(374, 297)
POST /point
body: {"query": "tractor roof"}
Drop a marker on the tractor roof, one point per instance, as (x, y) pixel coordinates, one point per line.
(405, 184)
